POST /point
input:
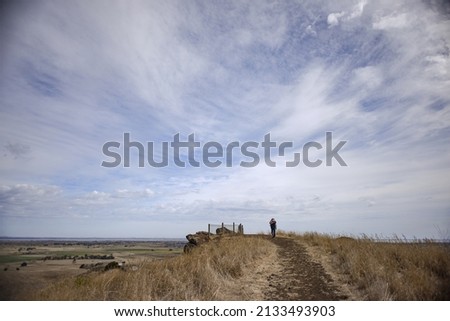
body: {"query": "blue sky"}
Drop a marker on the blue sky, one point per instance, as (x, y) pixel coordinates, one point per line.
(77, 74)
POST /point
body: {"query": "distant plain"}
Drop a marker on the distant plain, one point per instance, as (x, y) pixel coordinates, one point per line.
(27, 266)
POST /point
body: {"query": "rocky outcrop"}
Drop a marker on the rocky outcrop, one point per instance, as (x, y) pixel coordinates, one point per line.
(223, 230)
(195, 240)
(189, 247)
(198, 238)
(202, 237)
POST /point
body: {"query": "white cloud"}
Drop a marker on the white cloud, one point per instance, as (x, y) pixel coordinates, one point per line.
(367, 77)
(356, 11)
(333, 18)
(310, 30)
(392, 21)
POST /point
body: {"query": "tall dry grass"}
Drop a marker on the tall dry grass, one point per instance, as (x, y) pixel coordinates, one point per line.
(387, 271)
(204, 274)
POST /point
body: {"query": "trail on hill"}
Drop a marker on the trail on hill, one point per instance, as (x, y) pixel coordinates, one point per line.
(298, 277)
(287, 273)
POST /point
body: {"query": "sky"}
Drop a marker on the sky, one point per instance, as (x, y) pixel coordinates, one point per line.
(77, 74)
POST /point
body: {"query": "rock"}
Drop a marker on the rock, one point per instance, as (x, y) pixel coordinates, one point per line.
(223, 230)
(24, 264)
(198, 238)
(189, 247)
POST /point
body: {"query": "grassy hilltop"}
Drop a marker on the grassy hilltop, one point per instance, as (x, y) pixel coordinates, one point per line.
(207, 273)
(293, 266)
(377, 270)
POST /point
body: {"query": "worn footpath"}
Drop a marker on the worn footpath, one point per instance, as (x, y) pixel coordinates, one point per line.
(298, 276)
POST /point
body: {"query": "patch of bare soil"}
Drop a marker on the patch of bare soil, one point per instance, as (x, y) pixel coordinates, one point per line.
(253, 284)
(299, 277)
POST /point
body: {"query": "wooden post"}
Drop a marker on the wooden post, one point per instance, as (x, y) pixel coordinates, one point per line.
(209, 229)
(234, 231)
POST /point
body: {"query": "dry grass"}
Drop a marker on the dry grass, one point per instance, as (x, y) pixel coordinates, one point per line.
(204, 274)
(387, 271)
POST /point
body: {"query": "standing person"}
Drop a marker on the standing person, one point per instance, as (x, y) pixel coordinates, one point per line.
(273, 226)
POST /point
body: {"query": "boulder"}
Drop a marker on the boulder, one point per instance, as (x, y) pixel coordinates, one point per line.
(189, 247)
(223, 230)
(198, 238)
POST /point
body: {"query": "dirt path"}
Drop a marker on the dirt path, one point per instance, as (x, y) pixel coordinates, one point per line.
(298, 276)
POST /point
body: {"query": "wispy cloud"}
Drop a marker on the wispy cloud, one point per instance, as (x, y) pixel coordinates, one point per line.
(375, 74)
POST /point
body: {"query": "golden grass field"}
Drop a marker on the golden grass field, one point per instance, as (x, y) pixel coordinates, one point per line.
(204, 274)
(377, 270)
(238, 268)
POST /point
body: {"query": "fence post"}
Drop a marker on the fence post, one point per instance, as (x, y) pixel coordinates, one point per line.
(234, 231)
(209, 229)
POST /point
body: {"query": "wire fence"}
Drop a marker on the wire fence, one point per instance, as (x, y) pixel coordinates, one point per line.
(223, 228)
